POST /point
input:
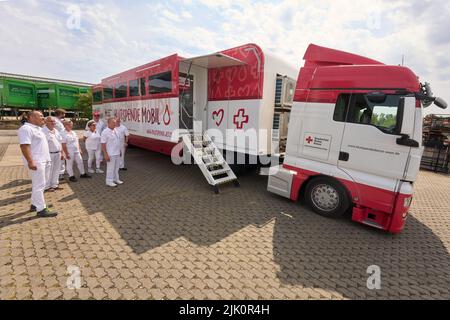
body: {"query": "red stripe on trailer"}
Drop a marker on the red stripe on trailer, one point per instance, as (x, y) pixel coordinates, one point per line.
(151, 144)
(384, 207)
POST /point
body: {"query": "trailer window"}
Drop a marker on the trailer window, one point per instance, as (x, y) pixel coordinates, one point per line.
(121, 90)
(134, 88)
(160, 83)
(97, 96)
(107, 93)
(143, 91)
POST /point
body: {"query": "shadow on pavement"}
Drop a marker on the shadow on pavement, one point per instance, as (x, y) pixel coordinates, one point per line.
(160, 203)
(335, 255)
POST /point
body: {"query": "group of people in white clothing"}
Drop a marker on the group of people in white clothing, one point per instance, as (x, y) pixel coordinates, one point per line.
(51, 150)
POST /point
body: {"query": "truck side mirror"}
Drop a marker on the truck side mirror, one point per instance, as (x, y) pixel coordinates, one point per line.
(405, 122)
(439, 102)
(406, 116)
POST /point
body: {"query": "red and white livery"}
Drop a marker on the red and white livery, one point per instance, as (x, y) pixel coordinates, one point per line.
(228, 90)
(355, 139)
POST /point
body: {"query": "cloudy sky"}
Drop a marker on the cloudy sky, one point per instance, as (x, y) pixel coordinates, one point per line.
(89, 40)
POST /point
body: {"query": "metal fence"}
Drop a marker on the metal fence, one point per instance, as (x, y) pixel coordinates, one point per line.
(436, 159)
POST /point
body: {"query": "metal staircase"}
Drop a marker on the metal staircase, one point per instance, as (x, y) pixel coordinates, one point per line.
(209, 159)
(205, 153)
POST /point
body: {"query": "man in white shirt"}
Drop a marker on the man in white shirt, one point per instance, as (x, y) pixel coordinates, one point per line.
(36, 156)
(60, 114)
(123, 136)
(72, 150)
(54, 140)
(111, 151)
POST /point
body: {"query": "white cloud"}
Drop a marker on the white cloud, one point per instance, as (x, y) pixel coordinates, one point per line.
(170, 15)
(115, 35)
(186, 15)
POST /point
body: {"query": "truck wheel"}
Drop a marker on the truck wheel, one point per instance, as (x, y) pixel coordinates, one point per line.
(327, 197)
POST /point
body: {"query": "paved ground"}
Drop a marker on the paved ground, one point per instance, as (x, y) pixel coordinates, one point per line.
(165, 235)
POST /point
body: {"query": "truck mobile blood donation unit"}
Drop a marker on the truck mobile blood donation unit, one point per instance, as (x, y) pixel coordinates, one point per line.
(352, 135)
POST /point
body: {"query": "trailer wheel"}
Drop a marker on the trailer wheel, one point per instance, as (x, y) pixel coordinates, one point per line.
(327, 197)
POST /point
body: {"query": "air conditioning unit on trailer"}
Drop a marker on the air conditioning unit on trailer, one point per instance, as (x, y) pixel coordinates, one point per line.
(284, 92)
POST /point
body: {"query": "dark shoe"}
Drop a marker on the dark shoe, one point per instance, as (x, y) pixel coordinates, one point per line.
(123, 169)
(50, 190)
(85, 176)
(34, 209)
(46, 213)
(73, 179)
(58, 188)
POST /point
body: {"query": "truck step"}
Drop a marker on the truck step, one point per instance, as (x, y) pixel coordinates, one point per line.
(215, 164)
(224, 180)
(219, 172)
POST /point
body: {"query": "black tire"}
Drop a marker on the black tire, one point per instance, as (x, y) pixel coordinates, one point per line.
(335, 201)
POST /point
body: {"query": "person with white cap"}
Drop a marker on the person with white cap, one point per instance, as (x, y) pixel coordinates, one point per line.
(72, 150)
(36, 156)
(123, 136)
(92, 139)
(54, 140)
(111, 153)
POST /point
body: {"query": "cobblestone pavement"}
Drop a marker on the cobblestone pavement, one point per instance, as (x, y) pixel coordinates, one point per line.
(165, 235)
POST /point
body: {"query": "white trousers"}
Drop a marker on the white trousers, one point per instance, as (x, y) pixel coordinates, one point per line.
(112, 169)
(94, 154)
(122, 157)
(38, 185)
(75, 158)
(53, 171)
(63, 168)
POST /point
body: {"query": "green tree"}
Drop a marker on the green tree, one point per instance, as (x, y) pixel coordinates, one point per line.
(84, 104)
(384, 120)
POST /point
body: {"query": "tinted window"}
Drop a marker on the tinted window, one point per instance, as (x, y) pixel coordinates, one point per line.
(143, 91)
(382, 115)
(97, 96)
(341, 107)
(134, 88)
(107, 93)
(121, 90)
(160, 83)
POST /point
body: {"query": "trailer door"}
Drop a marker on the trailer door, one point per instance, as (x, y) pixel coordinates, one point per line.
(369, 151)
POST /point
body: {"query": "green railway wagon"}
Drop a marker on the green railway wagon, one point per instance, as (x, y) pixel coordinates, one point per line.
(2, 100)
(67, 96)
(84, 90)
(19, 94)
(47, 97)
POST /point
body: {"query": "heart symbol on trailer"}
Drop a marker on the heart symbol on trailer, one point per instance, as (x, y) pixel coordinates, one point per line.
(218, 116)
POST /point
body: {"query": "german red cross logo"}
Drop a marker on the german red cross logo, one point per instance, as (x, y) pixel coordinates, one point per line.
(240, 118)
(309, 140)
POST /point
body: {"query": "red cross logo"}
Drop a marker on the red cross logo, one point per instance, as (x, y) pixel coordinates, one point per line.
(309, 140)
(240, 118)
